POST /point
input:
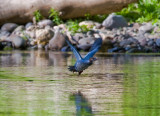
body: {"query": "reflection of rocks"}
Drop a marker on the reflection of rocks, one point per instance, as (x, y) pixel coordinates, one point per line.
(57, 59)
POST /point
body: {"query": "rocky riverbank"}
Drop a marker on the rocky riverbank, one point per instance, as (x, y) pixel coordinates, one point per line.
(117, 34)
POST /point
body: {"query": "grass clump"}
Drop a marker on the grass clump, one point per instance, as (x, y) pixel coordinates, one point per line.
(74, 27)
(54, 15)
(143, 11)
(38, 15)
(96, 18)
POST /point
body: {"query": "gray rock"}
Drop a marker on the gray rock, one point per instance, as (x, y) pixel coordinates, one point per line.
(58, 41)
(28, 25)
(85, 47)
(4, 35)
(133, 50)
(9, 27)
(19, 28)
(65, 49)
(124, 43)
(148, 27)
(114, 21)
(158, 42)
(88, 40)
(143, 42)
(18, 42)
(150, 42)
(45, 22)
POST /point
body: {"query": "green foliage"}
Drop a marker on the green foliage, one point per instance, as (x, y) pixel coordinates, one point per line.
(144, 11)
(54, 15)
(38, 15)
(73, 27)
(97, 18)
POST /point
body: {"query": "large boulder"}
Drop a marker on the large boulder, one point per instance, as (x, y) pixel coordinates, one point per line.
(22, 12)
(58, 41)
(18, 42)
(43, 36)
(114, 21)
(9, 27)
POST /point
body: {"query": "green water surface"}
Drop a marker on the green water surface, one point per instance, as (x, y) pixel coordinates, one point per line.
(37, 83)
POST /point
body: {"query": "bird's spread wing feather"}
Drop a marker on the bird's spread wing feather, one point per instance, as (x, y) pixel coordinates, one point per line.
(76, 53)
(95, 47)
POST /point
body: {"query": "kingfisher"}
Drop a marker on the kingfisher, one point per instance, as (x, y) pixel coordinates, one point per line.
(83, 63)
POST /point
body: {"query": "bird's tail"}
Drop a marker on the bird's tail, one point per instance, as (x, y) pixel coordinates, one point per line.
(72, 68)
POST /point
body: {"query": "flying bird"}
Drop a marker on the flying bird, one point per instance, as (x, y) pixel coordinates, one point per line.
(83, 63)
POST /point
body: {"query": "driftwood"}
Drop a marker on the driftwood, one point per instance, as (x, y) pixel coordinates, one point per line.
(21, 11)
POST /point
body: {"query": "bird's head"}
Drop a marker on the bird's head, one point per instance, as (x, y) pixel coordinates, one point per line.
(92, 59)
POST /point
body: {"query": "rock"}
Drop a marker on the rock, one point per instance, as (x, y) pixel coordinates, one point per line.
(150, 42)
(85, 47)
(106, 35)
(28, 25)
(4, 35)
(143, 42)
(9, 27)
(58, 41)
(88, 40)
(18, 42)
(18, 12)
(136, 26)
(124, 43)
(19, 30)
(148, 27)
(114, 21)
(5, 44)
(158, 42)
(133, 50)
(115, 49)
(65, 49)
(45, 22)
(128, 47)
(89, 24)
(43, 36)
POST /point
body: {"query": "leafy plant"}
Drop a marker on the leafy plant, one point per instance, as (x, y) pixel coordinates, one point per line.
(73, 27)
(144, 11)
(38, 15)
(54, 15)
(97, 18)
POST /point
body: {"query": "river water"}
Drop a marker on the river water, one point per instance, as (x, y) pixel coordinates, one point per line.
(37, 83)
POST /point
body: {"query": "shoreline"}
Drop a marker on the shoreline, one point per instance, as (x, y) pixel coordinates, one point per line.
(118, 36)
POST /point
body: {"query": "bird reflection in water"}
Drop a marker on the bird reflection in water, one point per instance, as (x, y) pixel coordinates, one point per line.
(83, 107)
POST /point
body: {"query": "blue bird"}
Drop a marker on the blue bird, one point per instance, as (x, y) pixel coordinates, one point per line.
(83, 63)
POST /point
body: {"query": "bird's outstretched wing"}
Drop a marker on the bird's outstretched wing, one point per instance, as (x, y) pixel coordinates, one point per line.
(76, 53)
(95, 47)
